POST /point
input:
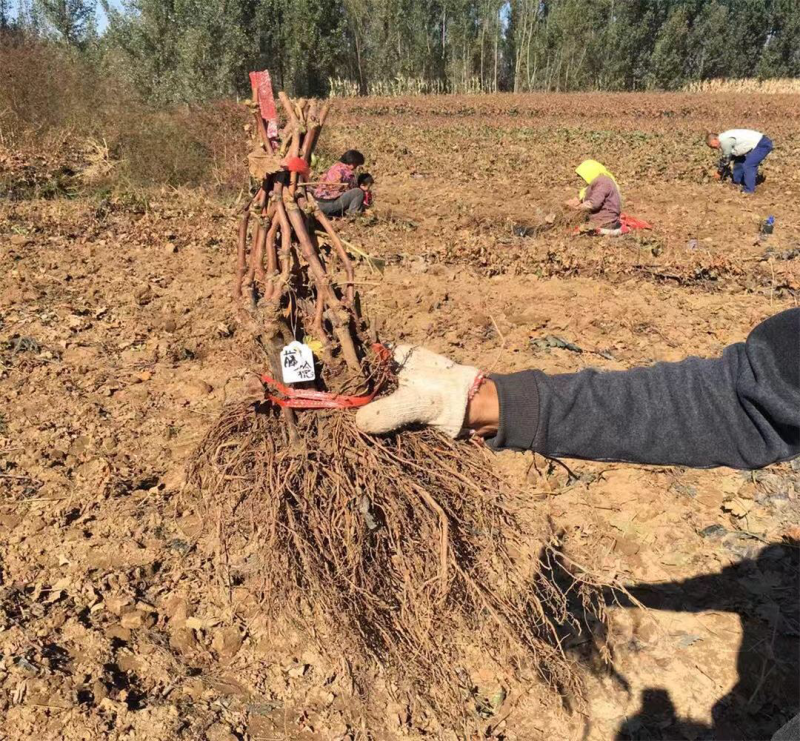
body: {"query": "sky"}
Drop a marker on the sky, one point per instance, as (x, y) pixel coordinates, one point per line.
(102, 21)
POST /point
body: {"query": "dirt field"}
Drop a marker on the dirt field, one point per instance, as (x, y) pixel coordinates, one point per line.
(119, 346)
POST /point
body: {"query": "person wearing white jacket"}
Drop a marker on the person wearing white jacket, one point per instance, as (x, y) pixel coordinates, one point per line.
(746, 148)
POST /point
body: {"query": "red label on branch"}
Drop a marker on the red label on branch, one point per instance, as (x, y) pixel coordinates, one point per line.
(262, 83)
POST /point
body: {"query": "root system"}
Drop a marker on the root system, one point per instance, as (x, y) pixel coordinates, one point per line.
(401, 551)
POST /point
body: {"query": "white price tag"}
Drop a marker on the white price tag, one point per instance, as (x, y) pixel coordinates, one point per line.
(297, 363)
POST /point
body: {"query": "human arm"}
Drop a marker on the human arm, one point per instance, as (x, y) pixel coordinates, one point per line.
(635, 416)
(726, 153)
(579, 205)
(740, 410)
(595, 196)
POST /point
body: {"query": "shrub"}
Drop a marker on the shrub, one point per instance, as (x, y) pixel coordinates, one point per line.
(158, 150)
(58, 103)
(45, 88)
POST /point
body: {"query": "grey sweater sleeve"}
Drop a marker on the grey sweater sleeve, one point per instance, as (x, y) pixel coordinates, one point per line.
(740, 410)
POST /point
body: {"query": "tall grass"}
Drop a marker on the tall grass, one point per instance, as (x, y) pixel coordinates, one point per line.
(748, 85)
(402, 86)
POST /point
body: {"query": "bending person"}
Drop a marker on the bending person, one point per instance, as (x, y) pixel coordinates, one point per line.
(746, 149)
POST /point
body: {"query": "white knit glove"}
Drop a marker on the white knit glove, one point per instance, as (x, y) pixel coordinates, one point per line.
(432, 390)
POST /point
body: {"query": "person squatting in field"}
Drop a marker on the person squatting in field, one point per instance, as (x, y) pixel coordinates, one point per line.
(746, 149)
(600, 198)
(741, 409)
(365, 182)
(338, 192)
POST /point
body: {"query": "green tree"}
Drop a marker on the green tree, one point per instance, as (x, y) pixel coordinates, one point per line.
(748, 31)
(459, 46)
(667, 65)
(357, 27)
(184, 50)
(781, 55)
(315, 46)
(528, 29)
(72, 21)
(178, 50)
(632, 30)
(708, 47)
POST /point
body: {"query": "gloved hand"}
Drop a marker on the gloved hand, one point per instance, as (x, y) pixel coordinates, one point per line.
(433, 390)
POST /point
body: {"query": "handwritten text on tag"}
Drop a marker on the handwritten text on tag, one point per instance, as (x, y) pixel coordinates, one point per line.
(297, 363)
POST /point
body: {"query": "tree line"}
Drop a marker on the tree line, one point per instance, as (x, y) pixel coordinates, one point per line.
(191, 50)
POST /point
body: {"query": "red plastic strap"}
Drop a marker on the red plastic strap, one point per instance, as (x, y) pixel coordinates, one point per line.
(312, 399)
(480, 379)
(298, 165)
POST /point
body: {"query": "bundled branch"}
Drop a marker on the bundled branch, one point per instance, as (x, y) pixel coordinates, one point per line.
(403, 551)
(282, 267)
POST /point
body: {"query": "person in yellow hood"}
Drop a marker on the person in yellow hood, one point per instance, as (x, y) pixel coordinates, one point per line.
(600, 198)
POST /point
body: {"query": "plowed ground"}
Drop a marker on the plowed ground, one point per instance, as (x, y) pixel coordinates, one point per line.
(119, 346)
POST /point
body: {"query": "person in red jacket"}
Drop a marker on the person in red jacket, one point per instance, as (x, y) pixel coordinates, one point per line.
(365, 182)
(338, 192)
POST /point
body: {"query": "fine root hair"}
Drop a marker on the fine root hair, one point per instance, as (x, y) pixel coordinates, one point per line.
(400, 551)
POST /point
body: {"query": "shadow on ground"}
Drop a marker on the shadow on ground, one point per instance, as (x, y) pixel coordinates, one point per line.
(765, 593)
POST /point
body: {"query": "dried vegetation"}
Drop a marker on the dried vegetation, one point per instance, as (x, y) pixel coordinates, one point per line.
(134, 605)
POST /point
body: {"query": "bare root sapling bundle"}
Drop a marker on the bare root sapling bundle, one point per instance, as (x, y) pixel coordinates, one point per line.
(399, 550)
